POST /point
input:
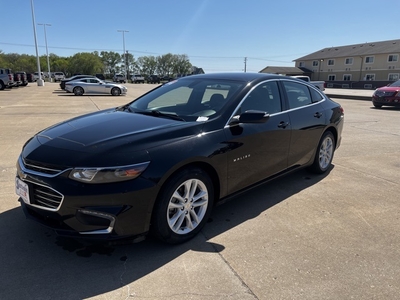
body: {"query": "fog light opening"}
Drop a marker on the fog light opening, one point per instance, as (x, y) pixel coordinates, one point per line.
(97, 214)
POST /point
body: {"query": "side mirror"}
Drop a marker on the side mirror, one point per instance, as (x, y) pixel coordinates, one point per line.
(250, 116)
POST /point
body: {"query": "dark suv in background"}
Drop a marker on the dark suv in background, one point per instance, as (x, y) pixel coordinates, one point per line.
(153, 79)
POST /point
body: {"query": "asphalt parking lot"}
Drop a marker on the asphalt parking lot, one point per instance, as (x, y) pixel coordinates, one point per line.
(332, 236)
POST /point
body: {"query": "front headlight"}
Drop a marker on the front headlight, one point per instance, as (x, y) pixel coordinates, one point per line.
(107, 175)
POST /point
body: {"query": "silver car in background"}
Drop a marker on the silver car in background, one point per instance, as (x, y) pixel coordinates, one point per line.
(94, 86)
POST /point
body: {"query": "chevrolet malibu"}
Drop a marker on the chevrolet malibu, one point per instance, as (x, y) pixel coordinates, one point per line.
(161, 162)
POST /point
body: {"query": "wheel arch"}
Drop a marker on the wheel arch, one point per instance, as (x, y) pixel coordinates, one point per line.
(154, 222)
(204, 166)
(333, 130)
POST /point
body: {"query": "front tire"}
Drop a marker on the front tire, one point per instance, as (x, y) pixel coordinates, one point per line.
(324, 154)
(377, 105)
(115, 92)
(78, 91)
(183, 207)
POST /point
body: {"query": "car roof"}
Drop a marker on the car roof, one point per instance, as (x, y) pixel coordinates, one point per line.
(242, 76)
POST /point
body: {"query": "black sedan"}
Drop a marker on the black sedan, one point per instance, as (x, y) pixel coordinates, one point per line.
(75, 77)
(160, 163)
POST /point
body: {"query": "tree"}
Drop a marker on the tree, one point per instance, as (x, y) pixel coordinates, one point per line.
(110, 60)
(165, 65)
(181, 64)
(60, 64)
(85, 63)
(147, 65)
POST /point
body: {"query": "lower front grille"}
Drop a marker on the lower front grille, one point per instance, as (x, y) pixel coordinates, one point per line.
(45, 197)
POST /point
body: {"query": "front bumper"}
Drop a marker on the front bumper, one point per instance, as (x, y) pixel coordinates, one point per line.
(388, 101)
(93, 211)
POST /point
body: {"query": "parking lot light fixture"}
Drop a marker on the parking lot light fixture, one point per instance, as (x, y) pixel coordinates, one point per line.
(47, 50)
(40, 81)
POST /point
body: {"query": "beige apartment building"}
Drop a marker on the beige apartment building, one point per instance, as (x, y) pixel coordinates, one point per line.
(367, 65)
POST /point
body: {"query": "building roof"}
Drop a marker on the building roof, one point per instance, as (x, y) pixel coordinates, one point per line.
(284, 70)
(392, 46)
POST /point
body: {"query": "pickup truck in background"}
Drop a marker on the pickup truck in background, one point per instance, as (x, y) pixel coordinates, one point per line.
(6, 78)
(58, 76)
(120, 78)
(137, 78)
(319, 84)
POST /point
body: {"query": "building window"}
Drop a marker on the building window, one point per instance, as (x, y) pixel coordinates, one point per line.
(331, 77)
(331, 62)
(369, 60)
(301, 64)
(393, 58)
(347, 77)
(348, 61)
(393, 76)
(370, 77)
(315, 63)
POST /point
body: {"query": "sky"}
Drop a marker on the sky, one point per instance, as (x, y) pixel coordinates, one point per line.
(216, 35)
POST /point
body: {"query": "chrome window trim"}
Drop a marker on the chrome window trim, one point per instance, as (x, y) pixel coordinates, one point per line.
(284, 111)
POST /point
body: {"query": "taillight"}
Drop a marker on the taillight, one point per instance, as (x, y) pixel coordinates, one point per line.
(10, 77)
(341, 110)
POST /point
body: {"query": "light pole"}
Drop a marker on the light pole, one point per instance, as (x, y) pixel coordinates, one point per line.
(123, 44)
(47, 50)
(40, 81)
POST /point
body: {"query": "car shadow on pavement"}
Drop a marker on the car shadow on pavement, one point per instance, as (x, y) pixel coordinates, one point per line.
(64, 94)
(386, 108)
(37, 264)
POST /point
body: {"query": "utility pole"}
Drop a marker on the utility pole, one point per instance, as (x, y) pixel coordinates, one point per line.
(123, 44)
(47, 50)
(40, 81)
(245, 64)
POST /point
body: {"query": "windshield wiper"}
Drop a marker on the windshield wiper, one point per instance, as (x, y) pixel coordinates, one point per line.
(157, 113)
(124, 107)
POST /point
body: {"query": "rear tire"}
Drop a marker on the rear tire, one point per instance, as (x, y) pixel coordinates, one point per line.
(183, 207)
(324, 154)
(2, 85)
(78, 91)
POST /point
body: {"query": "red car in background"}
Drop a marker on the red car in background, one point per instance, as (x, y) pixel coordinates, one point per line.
(387, 96)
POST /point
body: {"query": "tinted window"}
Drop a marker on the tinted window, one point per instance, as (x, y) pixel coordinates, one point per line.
(298, 94)
(264, 97)
(315, 96)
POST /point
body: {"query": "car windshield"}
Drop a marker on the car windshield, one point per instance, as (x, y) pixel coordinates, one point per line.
(396, 83)
(194, 99)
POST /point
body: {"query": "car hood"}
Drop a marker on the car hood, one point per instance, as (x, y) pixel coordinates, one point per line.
(111, 135)
(389, 89)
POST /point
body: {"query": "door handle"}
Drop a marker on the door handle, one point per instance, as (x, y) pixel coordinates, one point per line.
(318, 115)
(283, 124)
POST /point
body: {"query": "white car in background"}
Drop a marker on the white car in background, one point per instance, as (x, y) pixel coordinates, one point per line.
(94, 86)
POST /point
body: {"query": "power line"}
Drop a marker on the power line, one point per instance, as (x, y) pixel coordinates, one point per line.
(153, 53)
